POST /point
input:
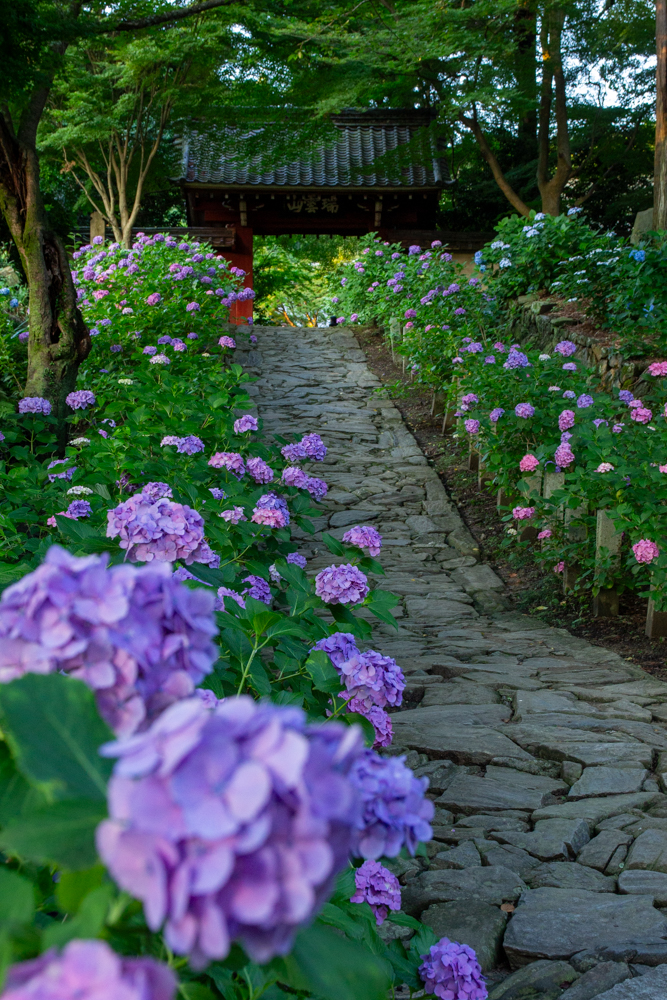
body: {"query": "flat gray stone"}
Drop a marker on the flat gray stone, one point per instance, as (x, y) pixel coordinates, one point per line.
(439, 610)
(344, 517)
(471, 922)
(551, 840)
(514, 858)
(608, 781)
(594, 982)
(644, 883)
(649, 851)
(542, 980)
(565, 875)
(479, 577)
(530, 703)
(500, 788)
(557, 923)
(465, 855)
(596, 810)
(494, 885)
(652, 986)
(459, 693)
(599, 851)
(564, 743)
(440, 738)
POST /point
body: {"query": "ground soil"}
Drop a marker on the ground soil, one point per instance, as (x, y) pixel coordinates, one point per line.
(531, 591)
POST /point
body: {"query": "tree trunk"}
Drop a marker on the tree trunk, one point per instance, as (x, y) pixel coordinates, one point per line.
(59, 339)
(553, 78)
(525, 30)
(660, 173)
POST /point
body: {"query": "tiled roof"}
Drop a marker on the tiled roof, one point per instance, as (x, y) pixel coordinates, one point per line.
(346, 161)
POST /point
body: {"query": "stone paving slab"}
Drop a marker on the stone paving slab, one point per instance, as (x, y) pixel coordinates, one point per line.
(530, 736)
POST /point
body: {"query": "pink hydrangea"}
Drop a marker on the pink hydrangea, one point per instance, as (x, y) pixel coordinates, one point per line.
(378, 887)
(523, 513)
(662, 468)
(230, 460)
(233, 516)
(605, 467)
(566, 420)
(451, 971)
(545, 533)
(153, 299)
(658, 368)
(641, 414)
(559, 567)
(645, 551)
(471, 426)
(341, 585)
(271, 517)
(563, 455)
(245, 423)
(529, 463)
(89, 970)
(364, 537)
(259, 470)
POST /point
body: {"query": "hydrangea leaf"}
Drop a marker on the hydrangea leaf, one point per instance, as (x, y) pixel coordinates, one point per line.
(17, 795)
(74, 887)
(357, 626)
(324, 675)
(355, 719)
(17, 899)
(88, 922)
(61, 834)
(334, 968)
(53, 727)
(334, 546)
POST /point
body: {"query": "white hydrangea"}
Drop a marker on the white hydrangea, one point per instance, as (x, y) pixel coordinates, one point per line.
(540, 215)
(498, 245)
(125, 381)
(545, 357)
(79, 491)
(505, 262)
(554, 388)
(80, 442)
(160, 359)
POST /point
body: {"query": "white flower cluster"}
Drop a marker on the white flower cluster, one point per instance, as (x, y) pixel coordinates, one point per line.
(80, 442)
(125, 381)
(79, 491)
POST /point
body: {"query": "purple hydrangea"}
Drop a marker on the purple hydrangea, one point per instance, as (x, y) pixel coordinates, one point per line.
(162, 530)
(257, 588)
(293, 452)
(563, 455)
(34, 404)
(524, 410)
(227, 342)
(234, 515)
(585, 401)
(217, 494)
(364, 536)
(373, 679)
(89, 970)
(155, 491)
(378, 887)
(297, 559)
(149, 349)
(495, 415)
(164, 339)
(193, 336)
(134, 635)
(80, 399)
(230, 460)
(600, 421)
(115, 348)
(340, 646)
(153, 299)
(568, 394)
(381, 722)
(293, 476)
(410, 314)
(245, 423)
(271, 510)
(178, 344)
(474, 348)
(314, 447)
(341, 585)
(64, 474)
(395, 812)
(516, 359)
(569, 366)
(566, 420)
(230, 822)
(78, 508)
(192, 307)
(226, 592)
(624, 395)
(451, 971)
(471, 426)
(566, 348)
(189, 445)
(317, 488)
(259, 470)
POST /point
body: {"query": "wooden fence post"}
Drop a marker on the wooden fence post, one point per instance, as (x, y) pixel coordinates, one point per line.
(394, 334)
(656, 621)
(605, 603)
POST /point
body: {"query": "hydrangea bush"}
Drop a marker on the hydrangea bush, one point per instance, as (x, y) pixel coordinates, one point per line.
(154, 593)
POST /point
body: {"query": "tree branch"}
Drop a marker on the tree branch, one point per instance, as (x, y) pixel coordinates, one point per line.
(165, 18)
(490, 157)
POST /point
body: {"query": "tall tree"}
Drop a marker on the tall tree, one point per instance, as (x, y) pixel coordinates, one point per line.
(35, 39)
(660, 171)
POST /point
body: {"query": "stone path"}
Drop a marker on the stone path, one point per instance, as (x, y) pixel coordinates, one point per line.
(545, 754)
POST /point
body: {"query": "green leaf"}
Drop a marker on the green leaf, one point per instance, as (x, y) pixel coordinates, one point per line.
(214, 577)
(61, 834)
(17, 899)
(73, 887)
(333, 916)
(294, 575)
(354, 719)
(236, 642)
(261, 622)
(403, 920)
(53, 727)
(379, 603)
(102, 490)
(334, 546)
(324, 675)
(259, 678)
(286, 627)
(329, 966)
(17, 796)
(357, 626)
(371, 566)
(78, 531)
(88, 922)
(421, 942)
